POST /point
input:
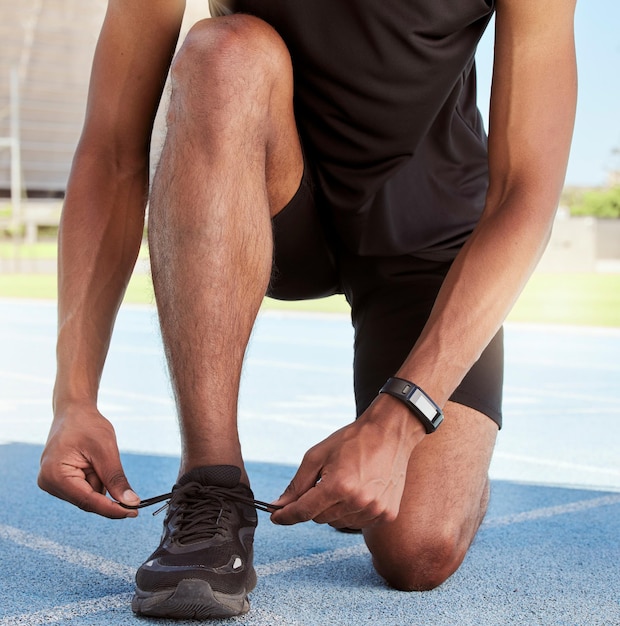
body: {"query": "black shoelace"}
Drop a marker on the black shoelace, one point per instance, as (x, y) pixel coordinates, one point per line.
(201, 511)
(207, 490)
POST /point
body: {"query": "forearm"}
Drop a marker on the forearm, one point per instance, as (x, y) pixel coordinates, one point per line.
(481, 287)
(99, 240)
(103, 218)
(100, 235)
(531, 120)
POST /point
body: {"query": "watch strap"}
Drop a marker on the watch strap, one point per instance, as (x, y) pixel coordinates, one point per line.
(418, 402)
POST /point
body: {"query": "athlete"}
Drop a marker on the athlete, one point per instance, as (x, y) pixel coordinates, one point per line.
(312, 148)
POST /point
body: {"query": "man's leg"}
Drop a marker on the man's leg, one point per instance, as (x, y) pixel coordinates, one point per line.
(444, 502)
(447, 487)
(231, 160)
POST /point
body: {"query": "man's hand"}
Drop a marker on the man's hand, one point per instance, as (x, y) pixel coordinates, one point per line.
(355, 477)
(81, 462)
(102, 226)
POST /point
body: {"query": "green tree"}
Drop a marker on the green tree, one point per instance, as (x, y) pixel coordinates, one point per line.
(598, 203)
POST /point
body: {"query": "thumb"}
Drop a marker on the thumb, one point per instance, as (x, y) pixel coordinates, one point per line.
(307, 476)
(116, 483)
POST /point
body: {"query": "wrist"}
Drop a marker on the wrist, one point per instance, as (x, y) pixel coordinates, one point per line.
(393, 416)
(64, 403)
(75, 385)
(420, 404)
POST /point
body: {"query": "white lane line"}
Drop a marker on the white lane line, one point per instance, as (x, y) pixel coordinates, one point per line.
(262, 617)
(75, 556)
(289, 365)
(300, 562)
(601, 410)
(95, 563)
(73, 610)
(106, 567)
(557, 464)
(110, 391)
(111, 568)
(565, 329)
(544, 393)
(552, 511)
(280, 567)
(300, 420)
(27, 377)
(131, 395)
(69, 611)
(535, 361)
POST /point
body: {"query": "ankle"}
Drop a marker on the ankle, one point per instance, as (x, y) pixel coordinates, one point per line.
(190, 463)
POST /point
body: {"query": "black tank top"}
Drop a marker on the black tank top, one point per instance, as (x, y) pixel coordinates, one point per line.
(385, 98)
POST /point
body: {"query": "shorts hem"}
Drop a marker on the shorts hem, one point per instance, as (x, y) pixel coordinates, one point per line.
(474, 402)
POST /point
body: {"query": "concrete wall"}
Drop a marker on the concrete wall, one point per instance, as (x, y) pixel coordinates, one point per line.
(582, 244)
(608, 239)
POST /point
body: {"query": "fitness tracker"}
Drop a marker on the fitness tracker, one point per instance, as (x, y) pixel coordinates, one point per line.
(416, 400)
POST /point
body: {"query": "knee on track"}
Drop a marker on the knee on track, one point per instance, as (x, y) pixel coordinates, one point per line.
(422, 565)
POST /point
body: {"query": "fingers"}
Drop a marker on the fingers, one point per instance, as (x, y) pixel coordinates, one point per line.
(80, 465)
(341, 516)
(301, 509)
(355, 477)
(84, 490)
(95, 482)
(338, 503)
(307, 476)
(92, 501)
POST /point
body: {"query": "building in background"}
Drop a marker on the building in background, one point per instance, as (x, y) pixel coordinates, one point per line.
(50, 44)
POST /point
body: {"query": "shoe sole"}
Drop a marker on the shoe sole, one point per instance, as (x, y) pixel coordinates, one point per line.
(191, 599)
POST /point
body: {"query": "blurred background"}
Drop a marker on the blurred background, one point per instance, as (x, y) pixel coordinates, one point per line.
(46, 52)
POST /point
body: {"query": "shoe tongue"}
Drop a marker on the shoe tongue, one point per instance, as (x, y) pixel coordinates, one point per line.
(217, 475)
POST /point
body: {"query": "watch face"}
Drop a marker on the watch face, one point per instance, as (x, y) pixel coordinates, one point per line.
(421, 402)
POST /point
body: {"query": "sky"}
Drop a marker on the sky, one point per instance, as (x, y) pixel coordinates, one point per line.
(597, 127)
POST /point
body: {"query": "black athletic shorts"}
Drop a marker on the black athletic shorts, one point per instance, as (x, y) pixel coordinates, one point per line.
(391, 299)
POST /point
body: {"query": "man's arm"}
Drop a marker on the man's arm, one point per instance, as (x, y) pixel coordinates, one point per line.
(100, 235)
(532, 114)
(363, 466)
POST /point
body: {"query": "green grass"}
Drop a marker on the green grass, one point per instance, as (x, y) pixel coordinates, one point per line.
(38, 286)
(44, 286)
(41, 250)
(575, 299)
(579, 299)
(333, 304)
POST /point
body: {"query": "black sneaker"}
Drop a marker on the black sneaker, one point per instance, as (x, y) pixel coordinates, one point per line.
(203, 567)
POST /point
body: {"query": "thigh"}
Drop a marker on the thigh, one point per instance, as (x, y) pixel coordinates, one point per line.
(447, 477)
(444, 501)
(391, 300)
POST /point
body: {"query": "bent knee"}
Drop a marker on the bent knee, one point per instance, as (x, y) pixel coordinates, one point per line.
(423, 564)
(220, 49)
